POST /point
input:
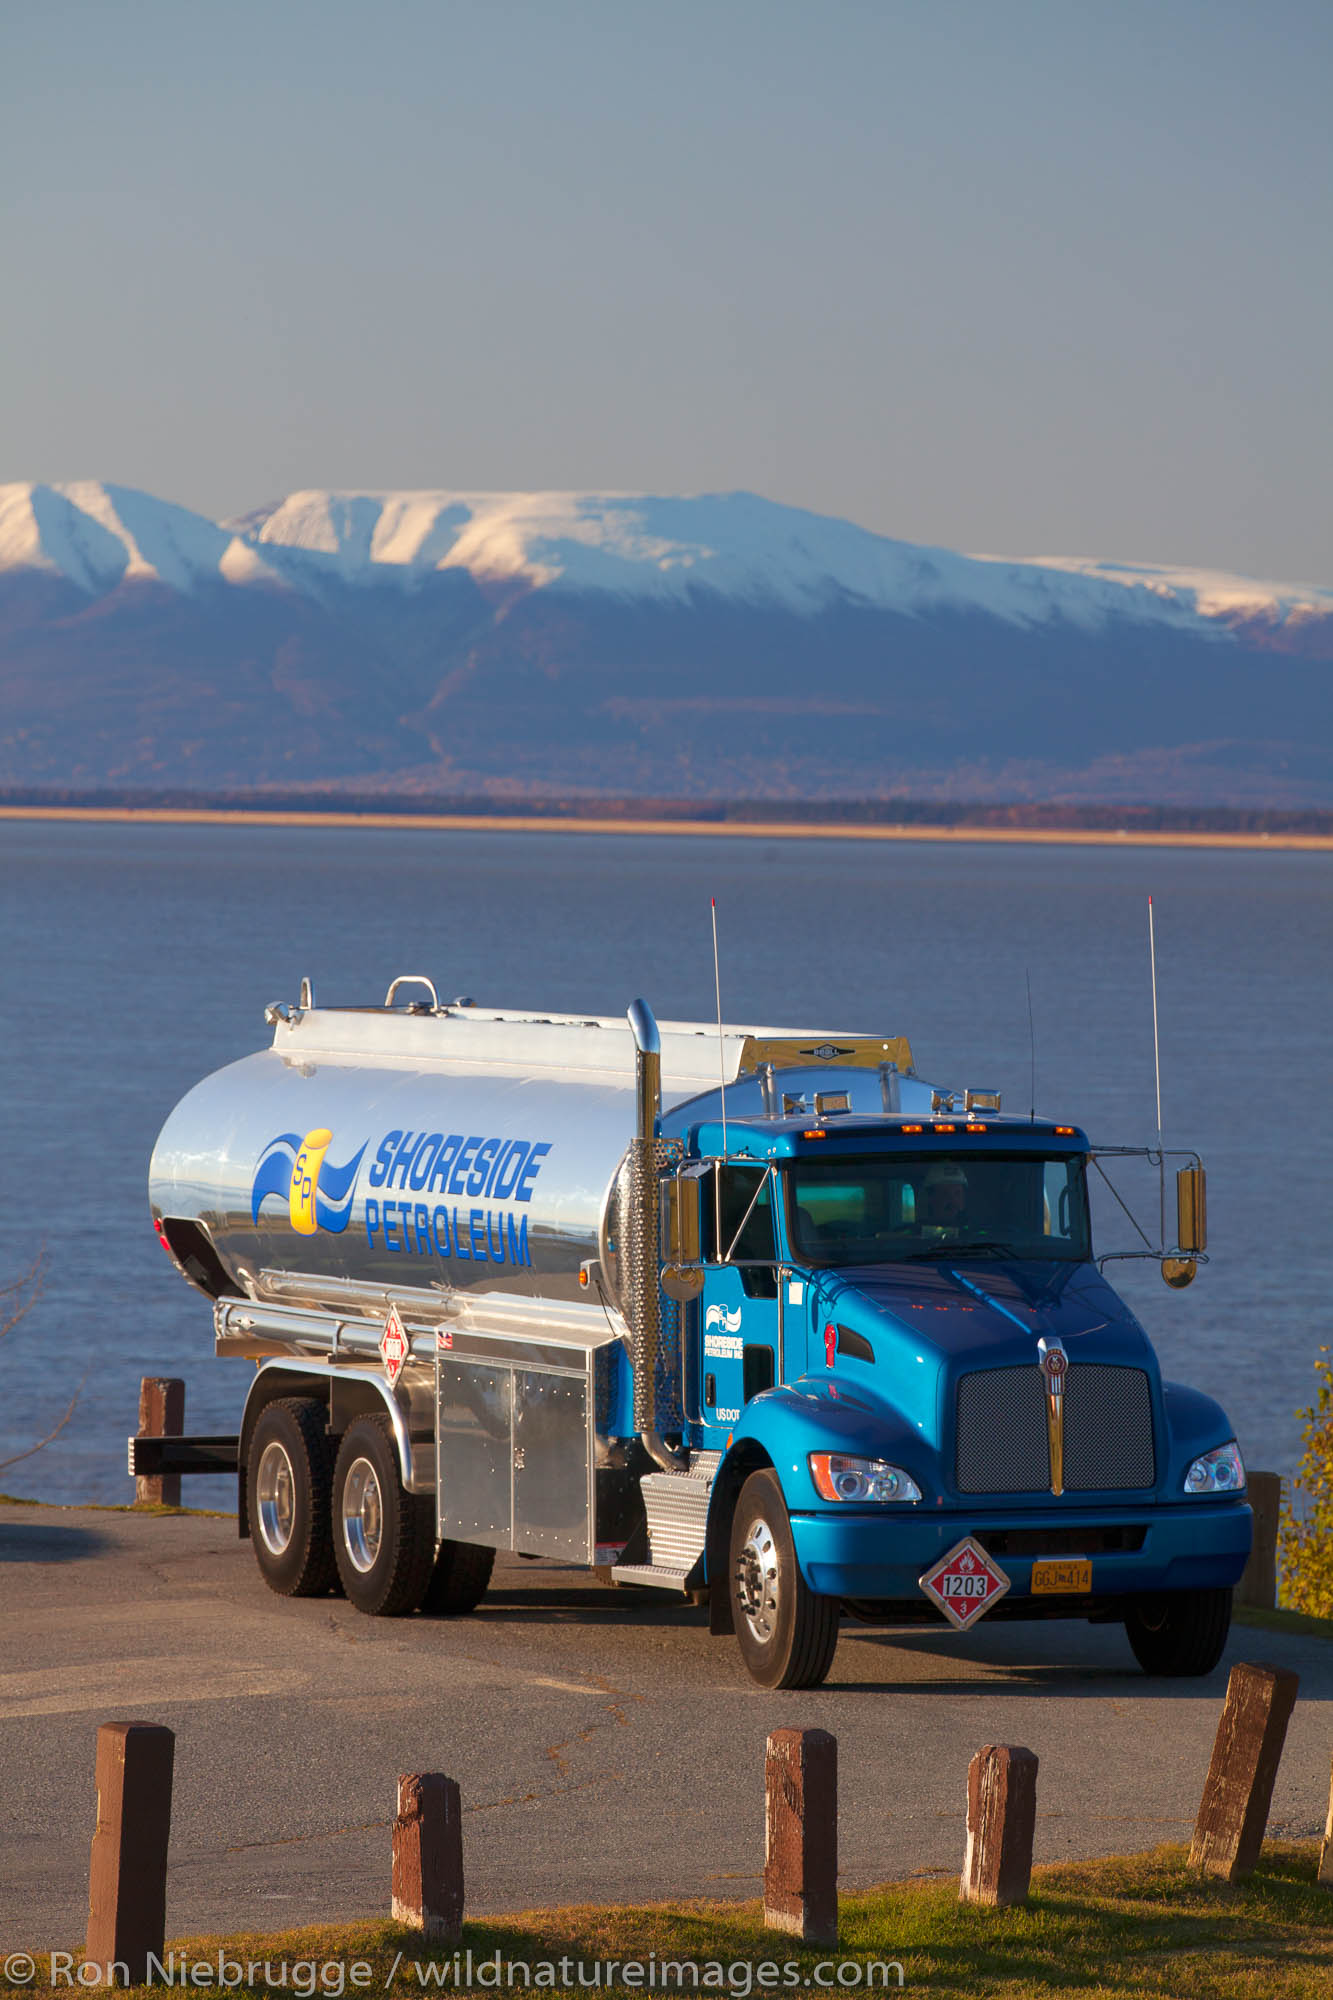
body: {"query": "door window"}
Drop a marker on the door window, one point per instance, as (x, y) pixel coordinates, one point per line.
(747, 1236)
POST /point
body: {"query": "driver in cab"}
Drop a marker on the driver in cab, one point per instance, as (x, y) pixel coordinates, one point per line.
(942, 1212)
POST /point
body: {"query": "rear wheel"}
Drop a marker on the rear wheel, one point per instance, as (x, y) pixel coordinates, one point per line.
(459, 1579)
(1180, 1632)
(383, 1536)
(289, 1478)
(787, 1635)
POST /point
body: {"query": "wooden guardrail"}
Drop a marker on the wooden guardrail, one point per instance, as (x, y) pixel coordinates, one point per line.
(128, 1866)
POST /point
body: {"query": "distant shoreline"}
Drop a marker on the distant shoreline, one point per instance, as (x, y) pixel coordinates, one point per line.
(407, 822)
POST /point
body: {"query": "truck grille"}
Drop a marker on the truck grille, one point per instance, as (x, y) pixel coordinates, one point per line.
(1002, 1445)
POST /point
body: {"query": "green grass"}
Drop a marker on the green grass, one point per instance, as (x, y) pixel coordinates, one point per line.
(114, 1507)
(1285, 1621)
(1138, 1928)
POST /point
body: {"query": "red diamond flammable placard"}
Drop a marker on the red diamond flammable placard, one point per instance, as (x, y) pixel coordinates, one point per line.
(394, 1346)
(965, 1583)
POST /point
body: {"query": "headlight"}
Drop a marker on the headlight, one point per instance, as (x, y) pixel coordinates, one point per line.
(860, 1479)
(1220, 1471)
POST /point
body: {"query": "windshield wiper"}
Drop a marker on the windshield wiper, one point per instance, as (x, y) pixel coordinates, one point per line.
(984, 1246)
(938, 1252)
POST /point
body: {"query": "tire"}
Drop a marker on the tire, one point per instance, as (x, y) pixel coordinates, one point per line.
(383, 1537)
(459, 1579)
(1180, 1633)
(288, 1484)
(787, 1635)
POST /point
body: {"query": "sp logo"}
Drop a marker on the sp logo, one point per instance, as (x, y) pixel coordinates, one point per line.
(317, 1193)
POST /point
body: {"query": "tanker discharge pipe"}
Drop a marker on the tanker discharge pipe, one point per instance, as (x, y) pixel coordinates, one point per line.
(640, 1250)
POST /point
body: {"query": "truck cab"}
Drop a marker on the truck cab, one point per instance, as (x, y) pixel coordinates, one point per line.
(902, 1331)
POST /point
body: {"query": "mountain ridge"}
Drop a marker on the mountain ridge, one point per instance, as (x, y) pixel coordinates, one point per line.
(715, 645)
(738, 544)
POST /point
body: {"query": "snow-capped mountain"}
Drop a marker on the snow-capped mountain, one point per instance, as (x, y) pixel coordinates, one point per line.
(630, 545)
(613, 642)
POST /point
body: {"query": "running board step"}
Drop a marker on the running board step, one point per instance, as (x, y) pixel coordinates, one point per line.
(676, 1504)
(657, 1579)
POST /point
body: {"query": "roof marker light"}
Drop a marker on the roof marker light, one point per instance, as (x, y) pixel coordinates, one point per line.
(946, 1128)
(814, 1133)
(912, 1128)
(974, 1128)
(1063, 1131)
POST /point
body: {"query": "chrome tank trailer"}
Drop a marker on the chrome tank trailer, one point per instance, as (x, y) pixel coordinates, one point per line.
(422, 1148)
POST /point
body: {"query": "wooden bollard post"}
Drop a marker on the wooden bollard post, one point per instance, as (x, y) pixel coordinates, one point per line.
(428, 1856)
(127, 1875)
(1001, 1821)
(801, 1834)
(1233, 1812)
(1257, 1588)
(161, 1414)
(1325, 1874)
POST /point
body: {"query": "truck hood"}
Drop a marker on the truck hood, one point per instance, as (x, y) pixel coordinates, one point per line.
(990, 1313)
(929, 1324)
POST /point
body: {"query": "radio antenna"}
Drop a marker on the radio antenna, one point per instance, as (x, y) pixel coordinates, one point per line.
(1156, 1048)
(1032, 1045)
(1157, 1072)
(722, 1078)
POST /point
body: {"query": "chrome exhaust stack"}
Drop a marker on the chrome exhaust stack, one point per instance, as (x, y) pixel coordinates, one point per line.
(640, 1251)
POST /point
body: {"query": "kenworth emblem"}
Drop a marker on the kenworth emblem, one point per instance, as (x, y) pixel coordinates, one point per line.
(1054, 1364)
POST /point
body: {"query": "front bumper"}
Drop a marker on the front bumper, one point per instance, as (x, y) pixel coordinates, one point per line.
(882, 1555)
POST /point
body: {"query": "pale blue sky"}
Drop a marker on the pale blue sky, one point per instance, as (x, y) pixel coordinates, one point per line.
(1036, 278)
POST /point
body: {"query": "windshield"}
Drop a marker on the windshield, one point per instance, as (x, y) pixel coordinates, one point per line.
(894, 1208)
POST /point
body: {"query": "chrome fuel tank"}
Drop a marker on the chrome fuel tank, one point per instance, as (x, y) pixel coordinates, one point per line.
(421, 1147)
(393, 1174)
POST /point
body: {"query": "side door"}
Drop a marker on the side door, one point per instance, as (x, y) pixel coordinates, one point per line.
(739, 1316)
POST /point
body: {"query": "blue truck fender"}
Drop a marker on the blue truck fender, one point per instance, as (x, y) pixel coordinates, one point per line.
(1195, 1424)
(777, 1431)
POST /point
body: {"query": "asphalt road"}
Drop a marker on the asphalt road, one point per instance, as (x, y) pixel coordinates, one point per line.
(607, 1748)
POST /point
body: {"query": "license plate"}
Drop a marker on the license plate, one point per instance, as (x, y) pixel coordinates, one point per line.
(1048, 1578)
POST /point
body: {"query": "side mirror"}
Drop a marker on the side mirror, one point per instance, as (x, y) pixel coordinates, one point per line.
(1191, 1228)
(681, 1238)
(1191, 1210)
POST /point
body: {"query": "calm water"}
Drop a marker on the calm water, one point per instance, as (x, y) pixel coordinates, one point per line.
(136, 959)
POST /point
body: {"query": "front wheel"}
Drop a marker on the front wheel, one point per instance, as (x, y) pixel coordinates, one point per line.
(383, 1536)
(787, 1635)
(1179, 1633)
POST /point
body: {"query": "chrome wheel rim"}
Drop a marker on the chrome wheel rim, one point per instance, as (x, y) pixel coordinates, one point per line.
(757, 1591)
(275, 1488)
(362, 1514)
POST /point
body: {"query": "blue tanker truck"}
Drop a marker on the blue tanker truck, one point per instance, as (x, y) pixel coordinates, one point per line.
(753, 1315)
